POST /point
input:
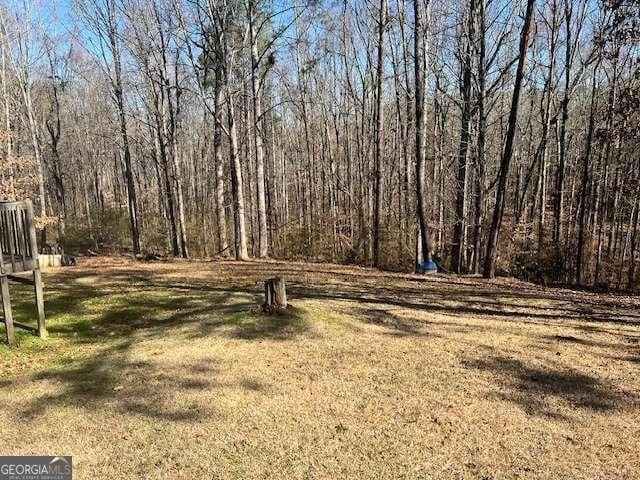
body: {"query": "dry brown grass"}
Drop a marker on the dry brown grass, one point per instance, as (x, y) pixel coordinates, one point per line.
(162, 371)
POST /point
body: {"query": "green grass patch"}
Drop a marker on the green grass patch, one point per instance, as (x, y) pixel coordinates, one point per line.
(82, 319)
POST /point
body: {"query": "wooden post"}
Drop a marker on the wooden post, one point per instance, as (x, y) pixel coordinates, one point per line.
(275, 294)
(6, 306)
(33, 242)
(37, 275)
(38, 290)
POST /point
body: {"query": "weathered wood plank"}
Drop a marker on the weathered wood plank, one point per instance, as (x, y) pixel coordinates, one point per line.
(22, 280)
(39, 291)
(6, 307)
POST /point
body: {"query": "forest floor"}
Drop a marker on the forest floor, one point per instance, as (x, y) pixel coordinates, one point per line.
(167, 370)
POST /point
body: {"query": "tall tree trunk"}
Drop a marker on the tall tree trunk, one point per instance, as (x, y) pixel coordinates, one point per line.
(586, 165)
(505, 162)
(237, 185)
(54, 128)
(635, 221)
(119, 97)
(562, 157)
(223, 246)
(419, 51)
(263, 239)
(379, 135)
(460, 225)
(35, 142)
(161, 130)
(482, 131)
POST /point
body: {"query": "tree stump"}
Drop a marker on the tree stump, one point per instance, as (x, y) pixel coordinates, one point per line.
(275, 295)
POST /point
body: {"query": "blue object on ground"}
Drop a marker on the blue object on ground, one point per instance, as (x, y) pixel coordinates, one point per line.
(68, 260)
(427, 267)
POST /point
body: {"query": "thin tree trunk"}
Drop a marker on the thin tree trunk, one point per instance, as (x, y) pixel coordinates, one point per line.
(580, 274)
(494, 233)
(119, 97)
(379, 135)
(263, 240)
(237, 186)
(460, 225)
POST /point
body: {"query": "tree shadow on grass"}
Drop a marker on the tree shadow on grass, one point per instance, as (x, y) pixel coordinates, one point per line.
(394, 324)
(89, 314)
(538, 390)
(60, 301)
(275, 326)
(498, 295)
(632, 357)
(112, 321)
(209, 310)
(113, 382)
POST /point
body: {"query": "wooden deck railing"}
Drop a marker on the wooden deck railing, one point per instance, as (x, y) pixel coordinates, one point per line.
(18, 254)
(18, 246)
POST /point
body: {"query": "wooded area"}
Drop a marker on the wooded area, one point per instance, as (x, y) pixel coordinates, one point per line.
(499, 137)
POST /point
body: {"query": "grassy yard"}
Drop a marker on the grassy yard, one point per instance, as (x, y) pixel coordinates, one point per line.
(167, 370)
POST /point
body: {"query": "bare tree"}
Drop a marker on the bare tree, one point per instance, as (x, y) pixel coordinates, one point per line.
(505, 162)
(101, 16)
(379, 135)
(421, 15)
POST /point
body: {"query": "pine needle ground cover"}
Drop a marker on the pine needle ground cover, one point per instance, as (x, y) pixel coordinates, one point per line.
(168, 370)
